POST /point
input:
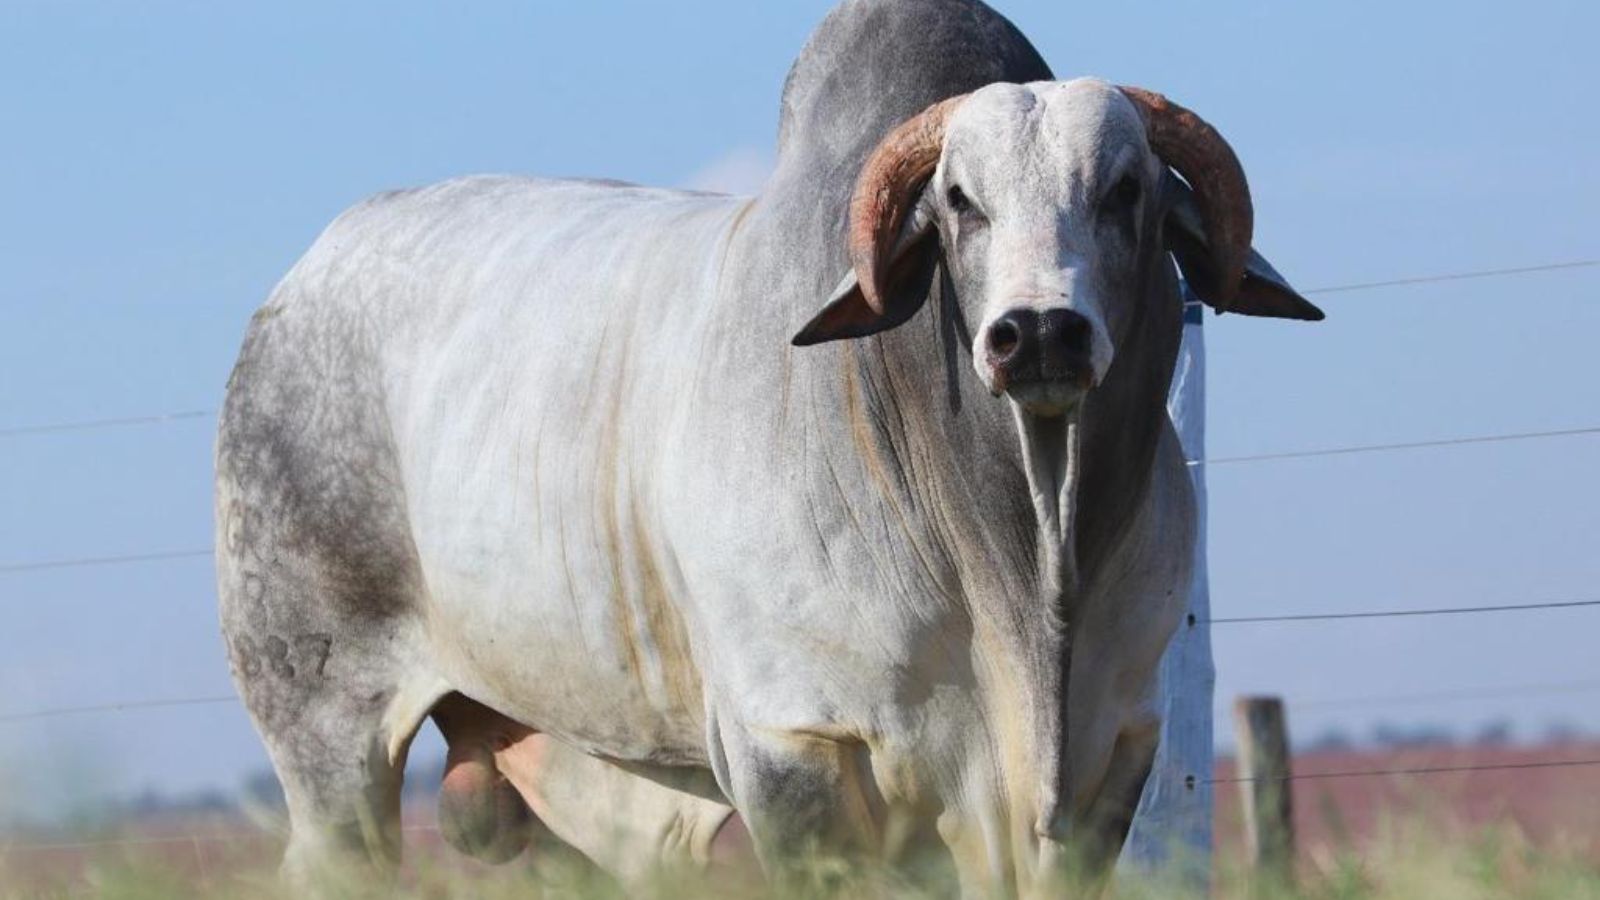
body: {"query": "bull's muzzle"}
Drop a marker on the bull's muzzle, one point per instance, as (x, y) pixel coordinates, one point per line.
(1041, 358)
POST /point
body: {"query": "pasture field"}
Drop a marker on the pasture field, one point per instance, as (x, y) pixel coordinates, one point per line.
(1412, 861)
(1501, 826)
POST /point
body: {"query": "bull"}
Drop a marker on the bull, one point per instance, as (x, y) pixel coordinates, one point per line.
(886, 564)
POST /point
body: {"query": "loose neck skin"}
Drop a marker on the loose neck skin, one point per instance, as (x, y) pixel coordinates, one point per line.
(1013, 516)
(1051, 456)
(1042, 499)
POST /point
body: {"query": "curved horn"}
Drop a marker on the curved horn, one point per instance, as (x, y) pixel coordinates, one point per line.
(1188, 144)
(900, 165)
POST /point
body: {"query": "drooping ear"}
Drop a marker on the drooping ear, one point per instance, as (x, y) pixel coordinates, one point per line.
(908, 278)
(891, 239)
(1263, 292)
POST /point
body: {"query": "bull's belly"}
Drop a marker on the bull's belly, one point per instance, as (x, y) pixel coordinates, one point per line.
(604, 668)
(549, 594)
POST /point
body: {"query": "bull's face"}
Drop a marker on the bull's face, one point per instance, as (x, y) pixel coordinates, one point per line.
(1047, 204)
(1043, 197)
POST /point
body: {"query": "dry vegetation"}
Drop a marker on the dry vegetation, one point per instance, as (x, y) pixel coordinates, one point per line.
(1414, 862)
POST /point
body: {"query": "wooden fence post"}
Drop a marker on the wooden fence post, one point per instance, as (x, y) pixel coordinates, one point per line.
(1264, 788)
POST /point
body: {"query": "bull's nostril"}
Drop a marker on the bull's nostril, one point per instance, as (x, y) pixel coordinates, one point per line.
(1076, 332)
(1004, 336)
(1067, 330)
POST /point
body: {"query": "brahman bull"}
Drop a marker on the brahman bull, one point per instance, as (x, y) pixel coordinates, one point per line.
(563, 450)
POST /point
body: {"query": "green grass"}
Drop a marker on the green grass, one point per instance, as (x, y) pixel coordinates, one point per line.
(1414, 862)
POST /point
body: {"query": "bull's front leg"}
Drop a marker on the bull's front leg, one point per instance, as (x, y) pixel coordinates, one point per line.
(804, 795)
(1102, 828)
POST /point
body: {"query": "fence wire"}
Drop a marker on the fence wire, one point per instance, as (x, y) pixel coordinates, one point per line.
(59, 711)
(1211, 462)
(34, 715)
(81, 562)
(219, 837)
(96, 424)
(1415, 770)
(1400, 613)
(1482, 692)
(1453, 276)
(183, 415)
(87, 561)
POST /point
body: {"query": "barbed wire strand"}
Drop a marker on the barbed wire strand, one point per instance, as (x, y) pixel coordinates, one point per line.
(1444, 696)
(167, 418)
(79, 562)
(1453, 276)
(1335, 702)
(94, 424)
(86, 561)
(1406, 445)
(57, 712)
(216, 838)
(1400, 613)
(50, 713)
(1416, 770)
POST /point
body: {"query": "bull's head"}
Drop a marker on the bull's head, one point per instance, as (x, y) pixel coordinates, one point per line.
(1044, 202)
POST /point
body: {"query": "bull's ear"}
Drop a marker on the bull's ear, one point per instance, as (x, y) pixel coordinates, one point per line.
(910, 278)
(1264, 291)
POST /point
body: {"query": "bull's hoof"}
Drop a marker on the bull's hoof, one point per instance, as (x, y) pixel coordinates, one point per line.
(480, 813)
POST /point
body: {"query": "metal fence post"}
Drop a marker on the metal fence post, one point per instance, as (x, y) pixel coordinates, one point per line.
(1172, 829)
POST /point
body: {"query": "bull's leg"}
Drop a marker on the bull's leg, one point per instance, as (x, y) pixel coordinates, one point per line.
(337, 728)
(322, 649)
(343, 791)
(802, 796)
(1103, 828)
(337, 716)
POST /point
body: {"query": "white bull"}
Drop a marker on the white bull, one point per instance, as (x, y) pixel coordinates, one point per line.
(546, 448)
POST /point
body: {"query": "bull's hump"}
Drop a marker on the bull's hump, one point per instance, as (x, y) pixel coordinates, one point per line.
(873, 63)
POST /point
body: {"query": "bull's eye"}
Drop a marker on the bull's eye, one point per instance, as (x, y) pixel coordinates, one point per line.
(958, 200)
(1124, 195)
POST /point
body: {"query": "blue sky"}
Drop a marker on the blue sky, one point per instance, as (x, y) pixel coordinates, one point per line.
(163, 163)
